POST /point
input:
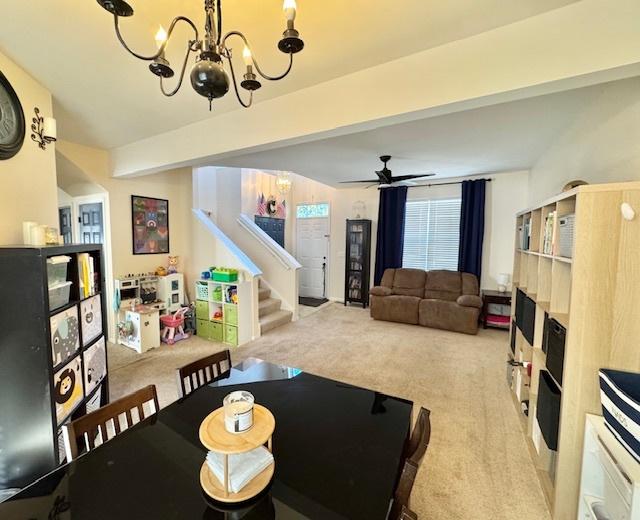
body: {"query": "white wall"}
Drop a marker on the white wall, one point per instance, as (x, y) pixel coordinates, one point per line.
(506, 194)
(602, 145)
(29, 178)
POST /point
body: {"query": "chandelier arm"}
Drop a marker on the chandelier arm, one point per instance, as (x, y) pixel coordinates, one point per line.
(253, 59)
(164, 44)
(219, 21)
(184, 68)
(235, 85)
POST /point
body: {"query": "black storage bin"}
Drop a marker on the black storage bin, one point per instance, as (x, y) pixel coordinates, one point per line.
(556, 335)
(548, 409)
(545, 332)
(520, 296)
(513, 337)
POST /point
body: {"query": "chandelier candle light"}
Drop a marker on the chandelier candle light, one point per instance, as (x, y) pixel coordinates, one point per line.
(208, 75)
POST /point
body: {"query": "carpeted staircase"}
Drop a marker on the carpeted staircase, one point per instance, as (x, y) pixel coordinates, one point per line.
(269, 311)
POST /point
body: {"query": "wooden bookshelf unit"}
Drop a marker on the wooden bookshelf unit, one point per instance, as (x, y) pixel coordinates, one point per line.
(593, 295)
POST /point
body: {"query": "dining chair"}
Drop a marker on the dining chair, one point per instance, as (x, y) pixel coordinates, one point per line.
(202, 372)
(420, 437)
(416, 449)
(105, 423)
(407, 514)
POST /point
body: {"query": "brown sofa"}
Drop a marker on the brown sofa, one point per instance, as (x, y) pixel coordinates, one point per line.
(440, 299)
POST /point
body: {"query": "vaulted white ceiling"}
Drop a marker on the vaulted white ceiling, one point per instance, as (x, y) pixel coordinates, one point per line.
(104, 97)
(498, 138)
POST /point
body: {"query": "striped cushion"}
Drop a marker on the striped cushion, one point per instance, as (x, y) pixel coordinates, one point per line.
(620, 396)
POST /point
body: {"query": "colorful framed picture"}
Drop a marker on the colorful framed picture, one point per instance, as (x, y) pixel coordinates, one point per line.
(150, 225)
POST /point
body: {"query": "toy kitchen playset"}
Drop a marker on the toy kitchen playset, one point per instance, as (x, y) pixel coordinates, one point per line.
(144, 298)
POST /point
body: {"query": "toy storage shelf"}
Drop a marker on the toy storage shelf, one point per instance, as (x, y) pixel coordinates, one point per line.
(592, 294)
(53, 359)
(223, 311)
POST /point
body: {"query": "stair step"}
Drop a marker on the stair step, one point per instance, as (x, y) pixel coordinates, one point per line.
(268, 306)
(264, 293)
(275, 319)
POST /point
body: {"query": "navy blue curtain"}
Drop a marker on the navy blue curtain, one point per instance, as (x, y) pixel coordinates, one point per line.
(390, 242)
(472, 227)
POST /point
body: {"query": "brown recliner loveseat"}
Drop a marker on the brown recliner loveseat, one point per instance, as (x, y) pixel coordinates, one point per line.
(440, 299)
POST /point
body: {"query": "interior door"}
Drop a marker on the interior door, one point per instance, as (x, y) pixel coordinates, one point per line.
(91, 223)
(312, 253)
(66, 226)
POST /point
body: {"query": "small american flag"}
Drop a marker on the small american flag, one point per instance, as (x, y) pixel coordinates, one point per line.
(262, 205)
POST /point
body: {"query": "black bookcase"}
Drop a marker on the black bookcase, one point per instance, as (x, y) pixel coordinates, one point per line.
(358, 262)
(53, 364)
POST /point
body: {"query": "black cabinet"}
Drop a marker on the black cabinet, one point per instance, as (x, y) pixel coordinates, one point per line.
(358, 262)
(53, 364)
(274, 227)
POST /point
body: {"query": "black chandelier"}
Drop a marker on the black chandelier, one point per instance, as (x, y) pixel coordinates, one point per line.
(208, 76)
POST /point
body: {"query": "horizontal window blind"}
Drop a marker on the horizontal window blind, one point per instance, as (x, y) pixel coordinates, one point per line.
(432, 234)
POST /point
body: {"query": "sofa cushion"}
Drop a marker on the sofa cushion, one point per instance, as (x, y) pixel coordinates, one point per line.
(443, 285)
(380, 291)
(470, 300)
(446, 315)
(409, 282)
(470, 284)
(403, 309)
(387, 278)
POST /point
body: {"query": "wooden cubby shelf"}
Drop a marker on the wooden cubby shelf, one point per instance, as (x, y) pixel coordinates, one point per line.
(592, 294)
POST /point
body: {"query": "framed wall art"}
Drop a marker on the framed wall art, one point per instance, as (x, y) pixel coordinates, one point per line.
(150, 225)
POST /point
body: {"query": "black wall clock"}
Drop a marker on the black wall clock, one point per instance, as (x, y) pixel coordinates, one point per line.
(12, 127)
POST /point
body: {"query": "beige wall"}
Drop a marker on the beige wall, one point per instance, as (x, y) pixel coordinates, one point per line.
(29, 178)
(174, 185)
(600, 146)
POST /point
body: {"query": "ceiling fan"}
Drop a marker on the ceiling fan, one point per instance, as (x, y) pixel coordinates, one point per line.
(387, 180)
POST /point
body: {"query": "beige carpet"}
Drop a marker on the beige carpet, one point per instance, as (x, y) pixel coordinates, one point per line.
(477, 466)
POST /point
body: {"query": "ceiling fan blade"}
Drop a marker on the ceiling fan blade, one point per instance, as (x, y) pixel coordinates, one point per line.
(352, 182)
(410, 177)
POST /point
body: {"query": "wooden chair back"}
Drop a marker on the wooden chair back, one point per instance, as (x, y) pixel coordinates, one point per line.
(420, 437)
(98, 425)
(416, 449)
(202, 372)
(407, 514)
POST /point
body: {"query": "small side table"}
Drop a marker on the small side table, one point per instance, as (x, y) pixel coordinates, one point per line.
(497, 298)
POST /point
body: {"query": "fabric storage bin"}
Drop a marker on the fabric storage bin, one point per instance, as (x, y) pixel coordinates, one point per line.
(217, 332)
(548, 409)
(620, 398)
(230, 314)
(203, 328)
(231, 335)
(202, 310)
(59, 295)
(202, 291)
(57, 269)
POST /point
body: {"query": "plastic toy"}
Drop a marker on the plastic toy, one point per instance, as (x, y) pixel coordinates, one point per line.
(217, 315)
(173, 265)
(173, 327)
(161, 271)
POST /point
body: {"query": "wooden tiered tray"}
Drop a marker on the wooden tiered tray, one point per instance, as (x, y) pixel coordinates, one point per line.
(215, 437)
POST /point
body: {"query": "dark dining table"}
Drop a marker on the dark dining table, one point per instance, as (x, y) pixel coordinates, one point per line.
(337, 448)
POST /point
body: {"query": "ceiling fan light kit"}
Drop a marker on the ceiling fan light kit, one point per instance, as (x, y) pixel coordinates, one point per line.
(208, 75)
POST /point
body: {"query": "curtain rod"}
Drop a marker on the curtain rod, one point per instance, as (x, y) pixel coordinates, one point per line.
(442, 184)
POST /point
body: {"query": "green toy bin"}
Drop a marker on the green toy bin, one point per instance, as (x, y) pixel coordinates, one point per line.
(224, 276)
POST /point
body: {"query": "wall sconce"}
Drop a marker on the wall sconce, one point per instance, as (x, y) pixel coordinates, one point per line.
(283, 183)
(44, 129)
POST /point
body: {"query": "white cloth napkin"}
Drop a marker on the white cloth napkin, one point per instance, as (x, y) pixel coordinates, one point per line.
(243, 467)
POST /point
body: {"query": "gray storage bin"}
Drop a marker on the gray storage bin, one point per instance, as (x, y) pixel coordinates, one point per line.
(57, 269)
(565, 235)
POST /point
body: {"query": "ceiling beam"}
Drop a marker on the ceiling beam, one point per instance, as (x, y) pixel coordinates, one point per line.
(581, 44)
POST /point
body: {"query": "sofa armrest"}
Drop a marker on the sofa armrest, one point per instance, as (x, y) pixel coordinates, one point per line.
(380, 291)
(470, 300)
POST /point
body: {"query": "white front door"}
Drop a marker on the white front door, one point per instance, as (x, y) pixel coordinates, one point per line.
(312, 247)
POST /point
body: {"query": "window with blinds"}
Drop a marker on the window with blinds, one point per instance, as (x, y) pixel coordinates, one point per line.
(432, 234)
